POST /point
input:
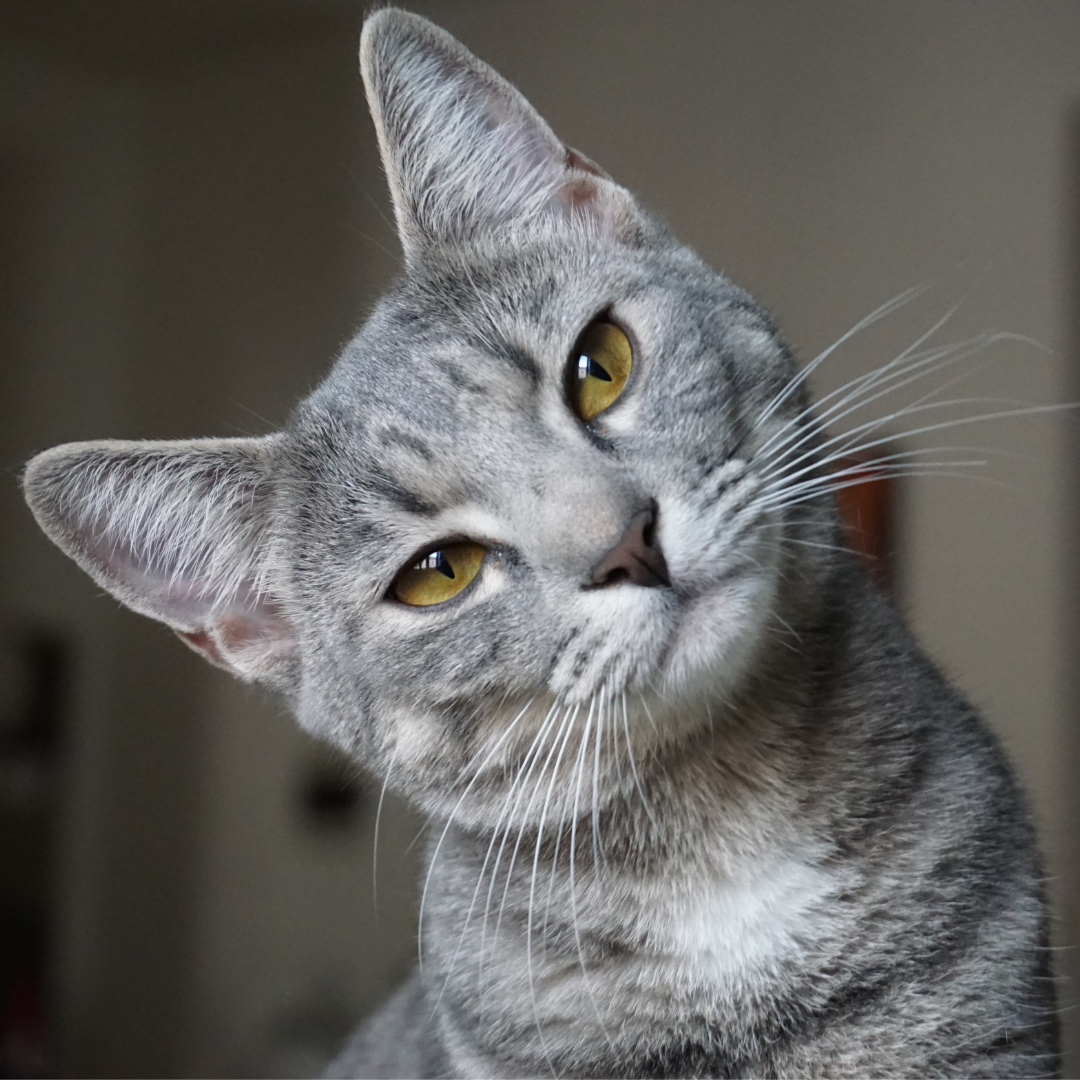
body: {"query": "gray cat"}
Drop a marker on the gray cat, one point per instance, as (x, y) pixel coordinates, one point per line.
(554, 548)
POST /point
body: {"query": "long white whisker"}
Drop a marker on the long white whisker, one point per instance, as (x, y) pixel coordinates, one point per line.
(558, 834)
(868, 465)
(517, 845)
(838, 413)
(579, 770)
(850, 443)
(565, 738)
(809, 489)
(909, 368)
(1004, 414)
(797, 380)
(450, 819)
(375, 842)
(945, 357)
(815, 544)
(855, 399)
(866, 472)
(533, 747)
(596, 785)
(513, 801)
(907, 360)
(776, 465)
(807, 496)
(633, 764)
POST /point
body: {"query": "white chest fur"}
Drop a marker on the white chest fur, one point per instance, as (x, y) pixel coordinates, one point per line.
(727, 931)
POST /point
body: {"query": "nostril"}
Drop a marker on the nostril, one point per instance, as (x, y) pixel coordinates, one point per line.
(635, 558)
(648, 530)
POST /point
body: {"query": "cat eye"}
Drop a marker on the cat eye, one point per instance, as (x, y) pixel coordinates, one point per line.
(599, 367)
(440, 575)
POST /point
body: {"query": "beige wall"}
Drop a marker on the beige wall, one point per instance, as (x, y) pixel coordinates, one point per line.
(209, 230)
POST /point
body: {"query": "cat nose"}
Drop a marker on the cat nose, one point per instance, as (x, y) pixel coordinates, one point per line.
(636, 558)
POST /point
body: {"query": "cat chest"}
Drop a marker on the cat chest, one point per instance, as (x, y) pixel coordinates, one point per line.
(696, 957)
(737, 930)
(669, 946)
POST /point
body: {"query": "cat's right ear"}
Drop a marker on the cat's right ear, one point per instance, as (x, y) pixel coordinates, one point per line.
(464, 152)
(177, 531)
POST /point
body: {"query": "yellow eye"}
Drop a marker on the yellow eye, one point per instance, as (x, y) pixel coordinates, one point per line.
(439, 575)
(599, 367)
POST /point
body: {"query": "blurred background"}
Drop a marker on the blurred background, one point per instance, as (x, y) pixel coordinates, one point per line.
(193, 221)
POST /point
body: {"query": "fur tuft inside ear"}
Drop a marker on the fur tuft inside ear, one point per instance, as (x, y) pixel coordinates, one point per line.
(464, 152)
(177, 531)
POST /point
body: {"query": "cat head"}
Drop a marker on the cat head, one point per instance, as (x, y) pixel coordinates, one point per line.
(526, 508)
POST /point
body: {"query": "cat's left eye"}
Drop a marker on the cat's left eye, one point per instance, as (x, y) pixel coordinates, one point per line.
(439, 575)
(599, 367)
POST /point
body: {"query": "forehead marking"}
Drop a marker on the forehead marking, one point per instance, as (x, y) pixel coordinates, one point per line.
(521, 361)
(458, 378)
(394, 436)
(380, 483)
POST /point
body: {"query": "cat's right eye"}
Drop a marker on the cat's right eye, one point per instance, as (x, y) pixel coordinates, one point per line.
(439, 575)
(599, 367)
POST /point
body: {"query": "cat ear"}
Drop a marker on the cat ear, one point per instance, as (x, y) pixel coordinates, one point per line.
(177, 531)
(464, 152)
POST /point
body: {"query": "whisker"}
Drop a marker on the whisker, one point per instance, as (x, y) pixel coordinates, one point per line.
(596, 787)
(510, 808)
(517, 783)
(818, 492)
(568, 722)
(517, 846)
(905, 369)
(558, 839)
(579, 771)
(807, 433)
(816, 544)
(864, 473)
(867, 465)
(798, 379)
(902, 367)
(1004, 414)
(613, 747)
(375, 843)
(855, 446)
(633, 764)
(449, 821)
(920, 366)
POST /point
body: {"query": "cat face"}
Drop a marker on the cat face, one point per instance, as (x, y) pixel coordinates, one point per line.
(525, 505)
(450, 419)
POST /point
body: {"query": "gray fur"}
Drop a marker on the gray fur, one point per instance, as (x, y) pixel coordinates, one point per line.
(738, 826)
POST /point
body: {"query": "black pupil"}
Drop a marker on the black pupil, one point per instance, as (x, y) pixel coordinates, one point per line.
(436, 561)
(587, 367)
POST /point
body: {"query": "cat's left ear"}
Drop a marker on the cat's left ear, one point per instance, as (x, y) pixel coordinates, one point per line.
(464, 152)
(178, 531)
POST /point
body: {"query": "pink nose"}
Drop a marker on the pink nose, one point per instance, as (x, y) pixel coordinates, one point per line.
(635, 558)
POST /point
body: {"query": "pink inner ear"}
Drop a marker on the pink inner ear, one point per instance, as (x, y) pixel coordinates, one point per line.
(250, 644)
(248, 635)
(202, 642)
(579, 191)
(577, 194)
